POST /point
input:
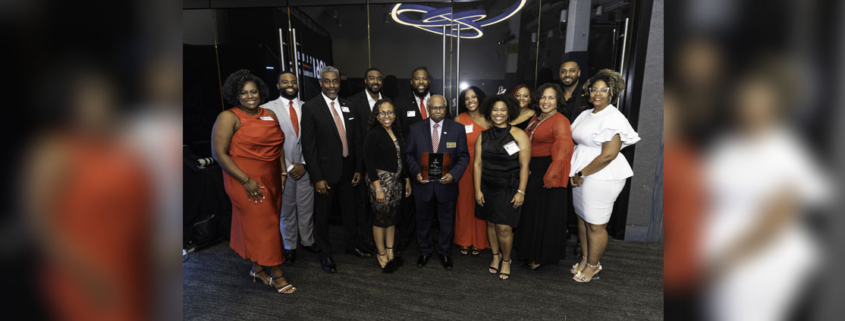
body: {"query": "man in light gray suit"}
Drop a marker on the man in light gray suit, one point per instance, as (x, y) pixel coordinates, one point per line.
(298, 198)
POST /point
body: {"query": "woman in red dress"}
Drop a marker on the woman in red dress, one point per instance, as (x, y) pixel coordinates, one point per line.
(247, 143)
(470, 231)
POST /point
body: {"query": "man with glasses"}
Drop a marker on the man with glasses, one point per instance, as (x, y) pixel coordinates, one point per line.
(333, 155)
(573, 95)
(436, 134)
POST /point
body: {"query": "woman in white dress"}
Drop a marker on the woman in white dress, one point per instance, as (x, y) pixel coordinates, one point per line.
(598, 171)
(758, 252)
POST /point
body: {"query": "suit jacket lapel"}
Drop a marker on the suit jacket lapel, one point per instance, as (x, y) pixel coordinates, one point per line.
(427, 137)
(329, 117)
(346, 120)
(285, 110)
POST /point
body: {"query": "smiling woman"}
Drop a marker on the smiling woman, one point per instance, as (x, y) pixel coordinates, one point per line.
(247, 143)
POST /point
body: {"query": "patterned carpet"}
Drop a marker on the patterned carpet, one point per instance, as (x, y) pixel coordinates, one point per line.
(217, 286)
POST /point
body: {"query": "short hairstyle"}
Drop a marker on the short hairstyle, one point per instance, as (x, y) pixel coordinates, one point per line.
(371, 69)
(612, 78)
(532, 103)
(571, 60)
(558, 93)
(397, 122)
(420, 68)
(236, 81)
(285, 72)
(328, 69)
(510, 102)
(462, 105)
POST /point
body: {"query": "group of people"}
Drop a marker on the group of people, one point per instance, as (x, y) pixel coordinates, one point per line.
(511, 159)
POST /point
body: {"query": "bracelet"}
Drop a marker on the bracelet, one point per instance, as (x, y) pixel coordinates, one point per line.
(521, 192)
(244, 182)
(381, 189)
(285, 174)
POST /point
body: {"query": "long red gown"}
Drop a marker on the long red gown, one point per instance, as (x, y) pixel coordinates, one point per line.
(256, 148)
(469, 229)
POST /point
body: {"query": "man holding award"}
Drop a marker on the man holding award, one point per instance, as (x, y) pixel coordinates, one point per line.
(436, 154)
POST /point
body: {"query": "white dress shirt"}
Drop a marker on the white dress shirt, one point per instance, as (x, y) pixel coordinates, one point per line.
(370, 99)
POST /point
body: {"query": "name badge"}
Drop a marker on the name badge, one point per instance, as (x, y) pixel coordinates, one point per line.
(344, 109)
(412, 113)
(266, 118)
(469, 128)
(451, 144)
(511, 148)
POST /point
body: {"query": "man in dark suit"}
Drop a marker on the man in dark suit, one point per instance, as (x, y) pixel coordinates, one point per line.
(332, 151)
(364, 102)
(437, 134)
(410, 110)
(573, 96)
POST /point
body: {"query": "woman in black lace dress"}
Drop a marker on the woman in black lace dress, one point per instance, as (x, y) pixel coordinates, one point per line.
(500, 175)
(386, 177)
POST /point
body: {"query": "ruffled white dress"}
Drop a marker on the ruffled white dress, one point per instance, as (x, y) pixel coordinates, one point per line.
(593, 200)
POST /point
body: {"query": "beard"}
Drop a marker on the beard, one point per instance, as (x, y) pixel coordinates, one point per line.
(370, 89)
(420, 95)
(289, 97)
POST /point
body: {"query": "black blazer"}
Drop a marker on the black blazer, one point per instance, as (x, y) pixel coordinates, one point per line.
(362, 106)
(380, 153)
(578, 103)
(321, 145)
(405, 104)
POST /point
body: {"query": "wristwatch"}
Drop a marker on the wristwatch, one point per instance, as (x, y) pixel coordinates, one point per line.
(580, 174)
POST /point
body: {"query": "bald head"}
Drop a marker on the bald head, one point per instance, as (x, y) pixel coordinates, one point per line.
(436, 108)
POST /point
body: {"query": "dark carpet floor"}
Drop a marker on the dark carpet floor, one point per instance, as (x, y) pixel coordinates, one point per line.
(217, 286)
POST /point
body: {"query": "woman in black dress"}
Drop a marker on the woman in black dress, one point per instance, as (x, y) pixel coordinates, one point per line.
(386, 177)
(527, 107)
(502, 154)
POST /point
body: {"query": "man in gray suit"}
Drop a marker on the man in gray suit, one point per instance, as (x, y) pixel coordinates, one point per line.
(298, 198)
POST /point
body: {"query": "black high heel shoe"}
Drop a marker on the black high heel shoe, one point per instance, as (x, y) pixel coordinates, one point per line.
(388, 267)
(494, 270)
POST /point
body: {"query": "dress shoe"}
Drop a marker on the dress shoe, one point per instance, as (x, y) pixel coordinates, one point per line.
(311, 248)
(328, 264)
(400, 247)
(389, 267)
(423, 260)
(359, 253)
(447, 262)
(290, 257)
(369, 247)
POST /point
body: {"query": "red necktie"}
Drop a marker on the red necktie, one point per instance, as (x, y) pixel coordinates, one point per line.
(422, 109)
(293, 119)
(435, 138)
(340, 130)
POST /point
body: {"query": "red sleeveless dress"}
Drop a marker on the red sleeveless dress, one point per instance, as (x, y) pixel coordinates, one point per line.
(469, 229)
(256, 148)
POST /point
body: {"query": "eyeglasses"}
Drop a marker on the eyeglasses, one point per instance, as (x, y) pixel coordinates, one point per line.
(602, 90)
(385, 113)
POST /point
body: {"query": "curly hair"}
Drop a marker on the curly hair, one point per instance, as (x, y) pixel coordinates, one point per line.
(612, 78)
(397, 122)
(531, 103)
(558, 95)
(462, 105)
(236, 81)
(510, 102)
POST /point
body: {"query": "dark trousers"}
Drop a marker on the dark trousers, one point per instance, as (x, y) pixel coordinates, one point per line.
(445, 212)
(345, 192)
(407, 220)
(363, 212)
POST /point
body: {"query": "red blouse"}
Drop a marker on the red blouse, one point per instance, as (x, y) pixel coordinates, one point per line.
(553, 137)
